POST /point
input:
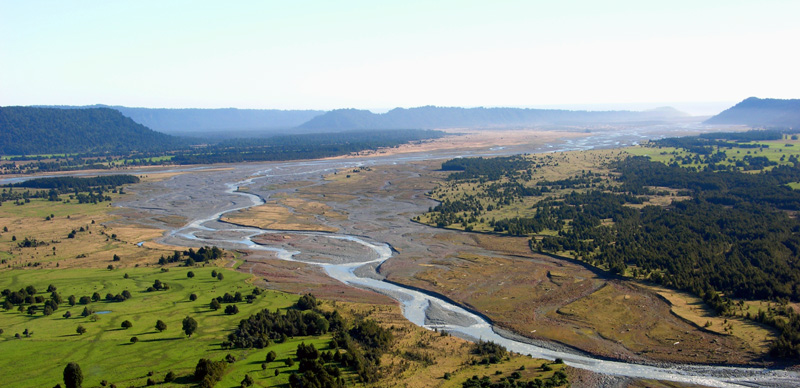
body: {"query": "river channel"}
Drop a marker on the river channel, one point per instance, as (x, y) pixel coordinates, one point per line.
(204, 197)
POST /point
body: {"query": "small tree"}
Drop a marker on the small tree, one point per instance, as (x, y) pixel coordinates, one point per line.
(193, 297)
(190, 274)
(115, 258)
(215, 304)
(96, 297)
(126, 324)
(73, 376)
(189, 326)
(134, 340)
(67, 315)
(271, 356)
(169, 377)
(248, 381)
(213, 273)
(161, 326)
(80, 330)
(219, 276)
(231, 309)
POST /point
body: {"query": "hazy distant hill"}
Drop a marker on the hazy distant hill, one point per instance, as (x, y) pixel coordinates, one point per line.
(428, 117)
(757, 112)
(28, 130)
(190, 122)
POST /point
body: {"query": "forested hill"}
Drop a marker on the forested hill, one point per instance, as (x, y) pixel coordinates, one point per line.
(225, 121)
(432, 117)
(758, 112)
(27, 130)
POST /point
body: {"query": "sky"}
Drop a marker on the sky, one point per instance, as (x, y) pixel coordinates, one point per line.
(378, 55)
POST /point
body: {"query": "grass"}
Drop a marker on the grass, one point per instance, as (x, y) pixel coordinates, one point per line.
(105, 352)
(93, 247)
(757, 336)
(776, 151)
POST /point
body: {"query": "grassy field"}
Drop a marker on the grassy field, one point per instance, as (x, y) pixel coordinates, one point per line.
(105, 351)
(777, 151)
(96, 241)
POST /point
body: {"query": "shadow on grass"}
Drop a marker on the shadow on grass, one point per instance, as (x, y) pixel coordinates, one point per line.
(186, 380)
(160, 339)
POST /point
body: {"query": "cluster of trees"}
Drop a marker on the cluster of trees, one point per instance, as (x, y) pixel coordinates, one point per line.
(558, 379)
(202, 255)
(77, 184)
(263, 328)
(490, 352)
(216, 303)
(487, 169)
(28, 296)
(208, 373)
(84, 190)
(316, 369)
(363, 342)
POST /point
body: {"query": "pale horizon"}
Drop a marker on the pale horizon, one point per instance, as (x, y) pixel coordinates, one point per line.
(692, 56)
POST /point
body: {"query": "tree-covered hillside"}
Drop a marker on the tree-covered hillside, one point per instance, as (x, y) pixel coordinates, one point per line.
(27, 130)
(758, 112)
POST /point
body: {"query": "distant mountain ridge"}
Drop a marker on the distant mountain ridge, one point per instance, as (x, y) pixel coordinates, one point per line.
(432, 117)
(31, 130)
(761, 112)
(193, 120)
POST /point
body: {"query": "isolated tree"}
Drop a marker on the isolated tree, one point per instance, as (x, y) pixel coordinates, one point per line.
(73, 376)
(126, 324)
(116, 258)
(271, 356)
(71, 300)
(51, 288)
(67, 315)
(134, 340)
(80, 330)
(215, 304)
(96, 297)
(161, 326)
(193, 297)
(190, 274)
(248, 381)
(213, 273)
(231, 309)
(219, 276)
(189, 326)
(169, 377)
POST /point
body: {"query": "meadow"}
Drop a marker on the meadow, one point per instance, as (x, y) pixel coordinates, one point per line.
(105, 350)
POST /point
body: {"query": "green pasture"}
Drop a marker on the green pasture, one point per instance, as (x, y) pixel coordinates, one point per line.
(776, 150)
(105, 352)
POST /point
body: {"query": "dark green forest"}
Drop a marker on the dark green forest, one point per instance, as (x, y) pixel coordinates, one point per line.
(727, 234)
(27, 130)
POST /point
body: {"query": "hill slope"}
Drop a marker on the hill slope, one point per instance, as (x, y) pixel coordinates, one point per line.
(429, 117)
(27, 130)
(758, 112)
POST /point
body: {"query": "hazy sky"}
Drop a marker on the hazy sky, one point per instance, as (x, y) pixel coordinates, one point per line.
(380, 54)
